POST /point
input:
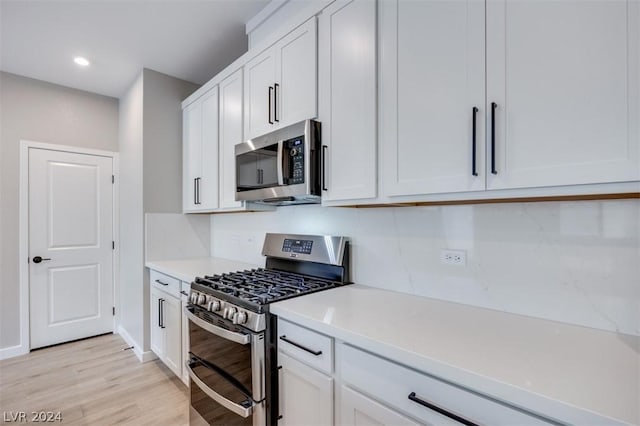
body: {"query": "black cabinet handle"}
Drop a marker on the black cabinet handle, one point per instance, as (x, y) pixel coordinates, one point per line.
(184, 293)
(162, 313)
(298, 345)
(270, 92)
(474, 172)
(198, 190)
(324, 167)
(159, 312)
(160, 282)
(38, 259)
(195, 191)
(275, 102)
(414, 398)
(493, 138)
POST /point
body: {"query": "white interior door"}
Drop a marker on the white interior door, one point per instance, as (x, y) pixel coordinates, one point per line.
(71, 229)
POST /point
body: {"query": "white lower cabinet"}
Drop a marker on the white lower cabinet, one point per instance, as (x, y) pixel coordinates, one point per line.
(305, 381)
(184, 301)
(359, 410)
(166, 321)
(306, 395)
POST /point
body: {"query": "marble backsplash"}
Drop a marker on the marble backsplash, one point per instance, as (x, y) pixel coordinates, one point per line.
(574, 262)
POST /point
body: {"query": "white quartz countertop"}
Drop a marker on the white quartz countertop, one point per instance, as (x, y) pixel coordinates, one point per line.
(568, 373)
(188, 269)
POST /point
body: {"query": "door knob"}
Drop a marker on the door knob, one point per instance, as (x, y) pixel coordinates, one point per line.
(38, 259)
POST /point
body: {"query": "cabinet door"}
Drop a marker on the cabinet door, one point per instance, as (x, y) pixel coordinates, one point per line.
(191, 153)
(157, 332)
(347, 96)
(208, 183)
(296, 93)
(565, 77)
(432, 74)
(306, 395)
(260, 78)
(173, 334)
(358, 410)
(230, 136)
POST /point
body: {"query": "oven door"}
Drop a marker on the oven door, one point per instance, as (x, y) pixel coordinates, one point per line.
(226, 371)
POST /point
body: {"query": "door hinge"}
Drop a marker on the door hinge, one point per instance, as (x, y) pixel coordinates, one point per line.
(113, 245)
(113, 179)
(113, 311)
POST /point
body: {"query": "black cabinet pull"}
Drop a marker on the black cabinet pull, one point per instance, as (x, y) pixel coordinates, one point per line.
(298, 345)
(198, 190)
(184, 293)
(324, 167)
(270, 92)
(493, 138)
(160, 282)
(38, 259)
(474, 172)
(162, 313)
(159, 312)
(195, 191)
(414, 398)
(275, 102)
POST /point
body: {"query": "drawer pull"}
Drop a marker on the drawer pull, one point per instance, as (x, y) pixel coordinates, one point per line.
(414, 398)
(160, 282)
(298, 345)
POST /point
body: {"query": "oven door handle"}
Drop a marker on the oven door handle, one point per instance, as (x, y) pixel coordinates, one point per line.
(280, 164)
(243, 339)
(230, 405)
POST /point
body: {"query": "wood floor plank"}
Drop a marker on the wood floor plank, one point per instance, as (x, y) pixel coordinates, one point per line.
(93, 382)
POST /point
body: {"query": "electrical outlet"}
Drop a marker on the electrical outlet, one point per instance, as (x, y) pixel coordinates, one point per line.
(453, 257)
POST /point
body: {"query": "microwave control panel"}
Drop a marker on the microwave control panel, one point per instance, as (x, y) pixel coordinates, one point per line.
(295, 160)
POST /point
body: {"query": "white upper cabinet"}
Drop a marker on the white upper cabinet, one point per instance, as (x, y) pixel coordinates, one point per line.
(347, 100)
(200, 153)
(564, 76)
(432, 70)
(281, 82)
(230, 136)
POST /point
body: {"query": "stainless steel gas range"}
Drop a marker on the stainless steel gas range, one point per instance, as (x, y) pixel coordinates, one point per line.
(232, 337)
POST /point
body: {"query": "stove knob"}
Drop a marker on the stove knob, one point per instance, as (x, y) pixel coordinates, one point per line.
(214, 305)
(201, 299)
(229, 313)
(193, 298)
(240, 318)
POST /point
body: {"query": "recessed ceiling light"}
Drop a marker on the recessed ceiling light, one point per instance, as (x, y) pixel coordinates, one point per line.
(83, 62)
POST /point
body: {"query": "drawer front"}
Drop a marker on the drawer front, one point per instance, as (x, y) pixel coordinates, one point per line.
(305, 345)
(392, 384)
(165, 283)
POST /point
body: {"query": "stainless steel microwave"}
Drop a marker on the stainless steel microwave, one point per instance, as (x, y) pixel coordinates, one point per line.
(282, 167)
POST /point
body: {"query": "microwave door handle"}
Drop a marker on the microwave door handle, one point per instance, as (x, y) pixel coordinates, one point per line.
(280, 164)
(230, 405)
(243, 339)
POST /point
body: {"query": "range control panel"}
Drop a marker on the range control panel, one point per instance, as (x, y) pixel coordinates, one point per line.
(297, 246)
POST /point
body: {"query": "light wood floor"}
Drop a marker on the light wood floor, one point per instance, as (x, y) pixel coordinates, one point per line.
(93, 382)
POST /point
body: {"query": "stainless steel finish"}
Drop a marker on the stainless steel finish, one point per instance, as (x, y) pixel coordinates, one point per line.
(326, 249)
(254, 322)
(279, 164)
(243, 339)
(302, 193)
(258, 374)
(230, 405)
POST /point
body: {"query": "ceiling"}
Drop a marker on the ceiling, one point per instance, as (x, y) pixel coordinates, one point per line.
(189, 39)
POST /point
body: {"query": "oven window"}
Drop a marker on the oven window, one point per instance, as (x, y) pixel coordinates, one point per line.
(257, 169)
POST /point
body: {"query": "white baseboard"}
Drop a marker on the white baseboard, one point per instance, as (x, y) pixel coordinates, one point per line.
(145, 356)
(13, 351)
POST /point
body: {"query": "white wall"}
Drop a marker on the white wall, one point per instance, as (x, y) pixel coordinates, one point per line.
(44, 112)
(574, 262)
(151, 176)
(131, 213)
